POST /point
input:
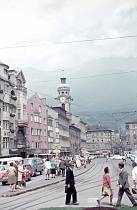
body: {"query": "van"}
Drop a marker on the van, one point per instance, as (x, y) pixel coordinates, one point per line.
(37, 165)
(7, 161)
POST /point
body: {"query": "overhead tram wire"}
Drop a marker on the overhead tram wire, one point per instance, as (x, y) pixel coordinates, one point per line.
(68, 42)
(91, 76)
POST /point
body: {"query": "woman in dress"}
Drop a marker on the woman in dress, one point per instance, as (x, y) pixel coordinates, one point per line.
(106, 188)
(20, 174)
(12, 179)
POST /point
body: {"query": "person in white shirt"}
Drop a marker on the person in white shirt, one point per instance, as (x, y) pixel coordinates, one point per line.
(134, 173)
(47, 168)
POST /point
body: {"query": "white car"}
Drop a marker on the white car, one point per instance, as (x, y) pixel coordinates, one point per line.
(117, 157)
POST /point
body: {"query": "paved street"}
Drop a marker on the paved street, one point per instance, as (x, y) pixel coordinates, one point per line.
(88, 187)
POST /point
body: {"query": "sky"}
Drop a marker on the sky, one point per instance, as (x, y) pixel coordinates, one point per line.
(102, 73)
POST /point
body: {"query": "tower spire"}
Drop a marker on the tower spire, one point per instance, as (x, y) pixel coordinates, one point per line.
(64, 99)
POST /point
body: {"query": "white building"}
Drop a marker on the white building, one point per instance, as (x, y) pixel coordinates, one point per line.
(53, 130)
(99, 139)
(64, 99)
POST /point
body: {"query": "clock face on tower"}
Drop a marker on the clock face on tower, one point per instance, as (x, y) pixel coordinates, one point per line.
(62, 99)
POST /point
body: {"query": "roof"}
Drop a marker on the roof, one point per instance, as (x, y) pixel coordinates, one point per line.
(1, 63)
(132, 122)
(21, 75)
(95, 128)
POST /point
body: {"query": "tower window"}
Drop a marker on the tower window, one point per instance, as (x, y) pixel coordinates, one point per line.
(63, 92)
(66, 92)
(63, 106)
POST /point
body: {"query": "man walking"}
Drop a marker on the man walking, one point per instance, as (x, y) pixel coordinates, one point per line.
(134, 174)
(70, 185)
(124, 186)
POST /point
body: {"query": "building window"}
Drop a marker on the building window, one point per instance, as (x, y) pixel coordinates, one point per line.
(5, 107)
(45, 121)
(5, 142)
(5, 124)
(31, 106)
(36, 119)
(39, 108)
(50, 122)
(31, 118)
(33, 144)
(19, 114)
(44, 132)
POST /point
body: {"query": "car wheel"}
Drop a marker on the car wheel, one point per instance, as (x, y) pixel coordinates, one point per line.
(4, 183)
(29, 179)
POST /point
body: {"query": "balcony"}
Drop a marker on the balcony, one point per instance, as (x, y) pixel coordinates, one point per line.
(12, 130)
(12, 115)
(14, 97)
(50, 128)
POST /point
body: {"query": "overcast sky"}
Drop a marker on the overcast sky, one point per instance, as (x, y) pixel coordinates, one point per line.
(89, 66)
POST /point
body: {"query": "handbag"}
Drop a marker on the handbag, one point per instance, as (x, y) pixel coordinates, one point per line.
(134, 190)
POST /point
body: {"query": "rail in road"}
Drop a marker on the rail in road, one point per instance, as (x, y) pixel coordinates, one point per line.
(42, 184)
(53, 194)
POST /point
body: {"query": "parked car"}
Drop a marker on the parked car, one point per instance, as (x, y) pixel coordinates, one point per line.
(37, 164)
(7, 161)
(4, 173)
(28, 172)
(91, 157)
(117, 157)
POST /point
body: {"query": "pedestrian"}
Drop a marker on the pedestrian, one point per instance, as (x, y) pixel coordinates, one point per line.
(53, 168)
(78, 163)
(106, 188)
(106, 158)
(62, 167)
(15, 164)
(20, 174)
(124, 186)
(12, 177)
(47, 168)
(134, 177)
(70, 185)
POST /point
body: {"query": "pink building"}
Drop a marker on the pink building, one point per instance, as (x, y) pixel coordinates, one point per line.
(37, 137)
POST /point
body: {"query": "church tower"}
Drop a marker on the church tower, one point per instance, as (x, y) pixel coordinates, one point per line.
(64, 99)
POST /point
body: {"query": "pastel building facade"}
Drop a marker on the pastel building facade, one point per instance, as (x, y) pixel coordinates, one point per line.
(37, 135)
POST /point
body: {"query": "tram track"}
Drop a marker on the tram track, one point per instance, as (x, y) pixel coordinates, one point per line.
(16, 206)
(51, 190)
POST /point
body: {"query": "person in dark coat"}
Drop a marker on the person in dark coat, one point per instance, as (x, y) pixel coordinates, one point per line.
(124, 186)
(70, 185)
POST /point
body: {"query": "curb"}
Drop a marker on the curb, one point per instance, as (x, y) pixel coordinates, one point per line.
(42, 186)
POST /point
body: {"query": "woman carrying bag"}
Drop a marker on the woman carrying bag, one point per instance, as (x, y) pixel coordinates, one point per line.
(106, 188)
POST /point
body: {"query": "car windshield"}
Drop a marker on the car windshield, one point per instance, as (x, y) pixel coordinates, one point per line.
(29, 161)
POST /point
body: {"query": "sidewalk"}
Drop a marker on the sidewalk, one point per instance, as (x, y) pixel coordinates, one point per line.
(31, 186)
